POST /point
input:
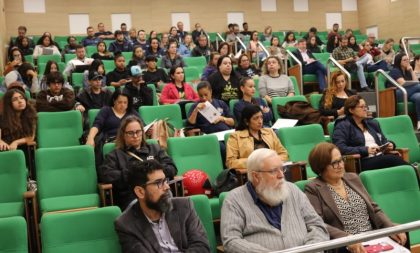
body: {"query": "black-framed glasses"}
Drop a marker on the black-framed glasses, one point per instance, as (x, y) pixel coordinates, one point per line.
(134, 133)
(274, 171)
(158, 182)
(336, 164)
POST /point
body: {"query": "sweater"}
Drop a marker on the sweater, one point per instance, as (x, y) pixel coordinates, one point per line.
(275, 86)
(245, 229)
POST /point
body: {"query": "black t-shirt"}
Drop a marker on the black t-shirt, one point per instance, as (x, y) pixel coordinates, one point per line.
(102, 57)
(97, 100)
(116, 75)
(181, 91)
(222, 89)
(155, 77)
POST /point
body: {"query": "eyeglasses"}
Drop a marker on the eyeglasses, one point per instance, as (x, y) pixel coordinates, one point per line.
(159, 183)
(335, 164)
(134, 133)
(364, 107)
(274, 171)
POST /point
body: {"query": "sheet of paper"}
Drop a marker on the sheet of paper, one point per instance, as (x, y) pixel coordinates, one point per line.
(397, 248)
(210, 112)
(221, 135)
(149, 126)
(282, 123)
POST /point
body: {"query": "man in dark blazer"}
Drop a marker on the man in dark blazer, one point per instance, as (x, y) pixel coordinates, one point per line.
(156, 222)
(310, 65)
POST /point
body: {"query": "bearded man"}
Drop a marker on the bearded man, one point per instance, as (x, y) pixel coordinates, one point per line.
(268, 213)
(156, 222)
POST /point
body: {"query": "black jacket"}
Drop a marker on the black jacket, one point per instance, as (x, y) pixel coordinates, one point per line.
(300, 58)
(349, 138)
(114, 170)
(85, 98)
(142, 96)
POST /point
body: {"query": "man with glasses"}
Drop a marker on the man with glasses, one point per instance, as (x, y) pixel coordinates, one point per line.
(156, 222)
(268, 213)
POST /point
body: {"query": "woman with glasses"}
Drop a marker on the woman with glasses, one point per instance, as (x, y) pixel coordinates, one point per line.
(251, 135)
(130, 144)
(341, 199)
(358, 134)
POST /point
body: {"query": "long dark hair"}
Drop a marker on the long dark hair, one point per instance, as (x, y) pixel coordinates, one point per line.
(48, 67)
(398, 59)
(11, 58)
(246, 115)
(119, 92)
(17, 126)
(172, 72)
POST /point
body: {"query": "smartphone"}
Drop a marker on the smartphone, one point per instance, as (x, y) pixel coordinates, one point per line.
(383, 147)
(380, 247)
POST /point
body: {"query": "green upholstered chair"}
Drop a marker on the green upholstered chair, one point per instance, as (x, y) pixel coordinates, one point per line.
(396, 191)
(299, 141)
(90, 50)
(153, 87)
(172, 112)
(92, 113)
(108, 147)
(198, 152)
(282, 101)
(315, 99)
(82, 231)
(69, 57)
(191, 74)
(400, 130)
(77, 80)
(198, 62)
(202, 207)
(13, 235)
(67, 178)
(59, 129)
(46, 58)
(302, 183)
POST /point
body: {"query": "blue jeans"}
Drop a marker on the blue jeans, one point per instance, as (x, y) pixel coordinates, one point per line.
(360, 70)
(319, 70)
(413, 95)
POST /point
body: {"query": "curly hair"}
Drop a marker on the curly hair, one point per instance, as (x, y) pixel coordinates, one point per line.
(332, 89)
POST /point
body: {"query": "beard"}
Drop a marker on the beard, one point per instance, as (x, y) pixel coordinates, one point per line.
(163, 205)
(272, 195)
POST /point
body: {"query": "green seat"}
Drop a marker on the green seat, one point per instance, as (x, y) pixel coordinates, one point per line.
(282, 101)
(13, 176)
(127, 56)
(191, 74)
(30, 58)
(198, 152)
(322, 57)
(75, 167)
(232, 103)
(295, 85)
(42, 66)
(59, 129)
(399, 105)
(90, 50)
(172, 112)
(77, 79)
(13, 235)
(257, 91)
(299, 141)
(83, 231)
(400, 130)
(68, 57)
(153, 87)
(315, 99)
(396, 191)
(92, 115)
(302, 183)
(198, 62)
(109, 65)
(46, 58)
(202, 207)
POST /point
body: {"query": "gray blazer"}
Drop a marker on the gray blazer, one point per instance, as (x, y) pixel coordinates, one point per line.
(321, 199)
(136, 234)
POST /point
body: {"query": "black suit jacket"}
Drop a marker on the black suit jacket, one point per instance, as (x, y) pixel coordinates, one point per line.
(136, 235)
(300, 58)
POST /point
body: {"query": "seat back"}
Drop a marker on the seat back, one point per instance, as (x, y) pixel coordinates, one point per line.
(198, 62)
(83, 231)
(46, 58)
(322, 57)
(172, 112)
(302, 183)
(295, 85)
(59, 129)
(109, 65)
(92, 115)
(153, 87)
(203, 209)
(400, 130)
(69, 57)
(90, 50)
(65, 171)
(13, 175)
(77, 79)
(396, 191)
(197, 152)
(315, 99)
(191, 74)
(300, 140)
(14, 236)
(282, 101)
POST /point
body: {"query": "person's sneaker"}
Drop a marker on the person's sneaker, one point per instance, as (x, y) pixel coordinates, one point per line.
(366, 89)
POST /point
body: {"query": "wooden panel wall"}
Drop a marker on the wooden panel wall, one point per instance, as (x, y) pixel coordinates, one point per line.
(3, 37)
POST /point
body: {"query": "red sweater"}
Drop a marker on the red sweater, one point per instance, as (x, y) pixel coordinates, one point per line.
(170, 94)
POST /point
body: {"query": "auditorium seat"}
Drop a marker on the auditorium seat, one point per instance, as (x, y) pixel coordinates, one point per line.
(202, 207)
(171, 112)
(13, 235)
(282, 101)
(46, 58)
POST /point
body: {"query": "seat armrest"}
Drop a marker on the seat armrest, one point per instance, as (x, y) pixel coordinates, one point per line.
(177, 186)
(220, 249)
(404, 152)
(296, 171)
(387, 102)
(105, 193)
(32, 217)
(352, 163)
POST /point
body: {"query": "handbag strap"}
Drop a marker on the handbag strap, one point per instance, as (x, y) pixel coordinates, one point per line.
(134, 155)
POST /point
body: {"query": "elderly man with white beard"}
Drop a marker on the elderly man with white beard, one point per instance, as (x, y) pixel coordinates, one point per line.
(268, 213)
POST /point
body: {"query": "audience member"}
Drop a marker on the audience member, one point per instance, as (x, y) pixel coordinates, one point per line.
(358, 134)
(185, 48)
(334, 31)
(171, 58)
(332, 43)
(276, 50)
(224, 50)
(353, 44)
(164, 42)
(334, 97)
(123, 28)
(416, 63)
(48, 34)
(178, 90)
(120, 75)
(273, 83)
(249, 136)
(102, 34)
(25, 74)
(154, 48)
(268, 213)
(312, 46)
(310, 65)
(90, 39)
(120, 44)
(56, 98)
(21, 34)
(341, 199)
(16, 58)
(141, 40)
(180, 32)
(245, 68)
(79, 60)
(70, 48)
(224, 82)
(102, 54)
(246, 97)
(156, 222)
(313, 32)
(211, 66)
(173, 33)
(366, 60)
(387, 53)
(17, 120)
(231, 38)
(138, 58)
(267, 34)
(254, 47)
(202, 48)
(289, 40)
(138, 90)
(45, 47)
(25, 46)
(51, 67)
(96, 66)
(245, 30)
(153, 74)
(131, 145)
(198, 32)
